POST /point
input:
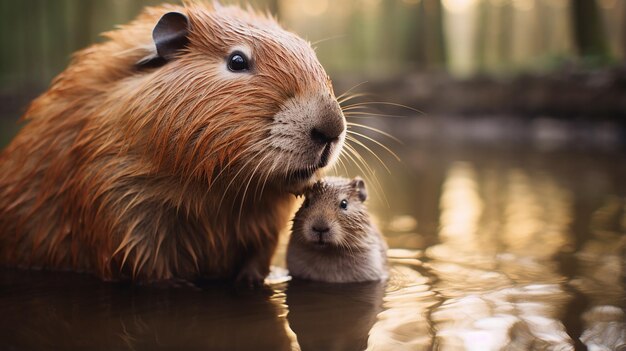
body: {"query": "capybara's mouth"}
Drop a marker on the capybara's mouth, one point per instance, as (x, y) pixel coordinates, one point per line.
(305, 174)
(325, 156)
(298, 180)
(321, 243)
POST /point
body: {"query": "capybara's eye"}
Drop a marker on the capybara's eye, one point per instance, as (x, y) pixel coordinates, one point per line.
(344, 204)
(238, 62)
(306, 203)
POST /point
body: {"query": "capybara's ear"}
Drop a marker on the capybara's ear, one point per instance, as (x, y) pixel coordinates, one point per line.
(170, 35)
(359, 185)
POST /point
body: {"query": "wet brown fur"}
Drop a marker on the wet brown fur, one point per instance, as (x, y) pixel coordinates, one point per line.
(353, 248)
(356, 227)
(124, 172)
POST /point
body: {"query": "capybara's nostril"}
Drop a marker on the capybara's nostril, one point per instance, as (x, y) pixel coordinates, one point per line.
(328, 129)
(321, 229)
(322, 137)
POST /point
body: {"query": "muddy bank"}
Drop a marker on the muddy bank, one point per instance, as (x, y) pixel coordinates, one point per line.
(568, 93)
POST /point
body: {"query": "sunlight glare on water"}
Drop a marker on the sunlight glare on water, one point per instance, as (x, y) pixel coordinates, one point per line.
(490, 249)
(509, 267)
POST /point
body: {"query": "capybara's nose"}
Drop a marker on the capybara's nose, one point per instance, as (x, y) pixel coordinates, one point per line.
(329, 128)
(322, 136)
(320, 228)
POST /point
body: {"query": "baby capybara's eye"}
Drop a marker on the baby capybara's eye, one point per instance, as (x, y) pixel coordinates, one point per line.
(238, 62)
(343, 204)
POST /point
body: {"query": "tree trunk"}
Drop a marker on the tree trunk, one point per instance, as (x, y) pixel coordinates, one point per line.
(589, 36)
(481, 37)
(435, 47)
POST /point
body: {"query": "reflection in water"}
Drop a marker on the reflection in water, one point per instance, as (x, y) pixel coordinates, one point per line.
(522, 317)
(461, 208)
(404, 324)
(601, 277)
(494, 252)
(537, 216)
(501, 292)
(605, 328)
(333, 316)
(70, 311)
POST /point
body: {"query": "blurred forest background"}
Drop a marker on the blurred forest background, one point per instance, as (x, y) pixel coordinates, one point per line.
(563, 58)
(506, 196)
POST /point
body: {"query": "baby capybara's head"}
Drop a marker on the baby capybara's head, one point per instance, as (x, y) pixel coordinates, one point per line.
(333, 214)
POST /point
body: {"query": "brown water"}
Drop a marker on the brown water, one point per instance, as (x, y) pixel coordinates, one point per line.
(494, 246)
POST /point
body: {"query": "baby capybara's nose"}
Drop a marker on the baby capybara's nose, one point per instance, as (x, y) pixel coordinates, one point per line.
(320, 228)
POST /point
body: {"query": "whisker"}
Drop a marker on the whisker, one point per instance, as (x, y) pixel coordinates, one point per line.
(384, 103)
(343, 164)
(339, 165)
(351, 97)
(377, 143)
(351, 158)
(358, 157)
(370, 175)
(363, 112)
(358, 142)
(213, 180)
(288, 168)
(352, 124)
(269, 172)
(363, 167)
(233, 179)
(349, 90)
(243, 198)
(333, 168)
(326, 39)
(356, 108)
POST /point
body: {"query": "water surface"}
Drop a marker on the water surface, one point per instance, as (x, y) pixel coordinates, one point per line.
(499, 245)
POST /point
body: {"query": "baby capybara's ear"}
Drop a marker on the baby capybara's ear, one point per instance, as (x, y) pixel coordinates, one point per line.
(170, 35)
(359, 185)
